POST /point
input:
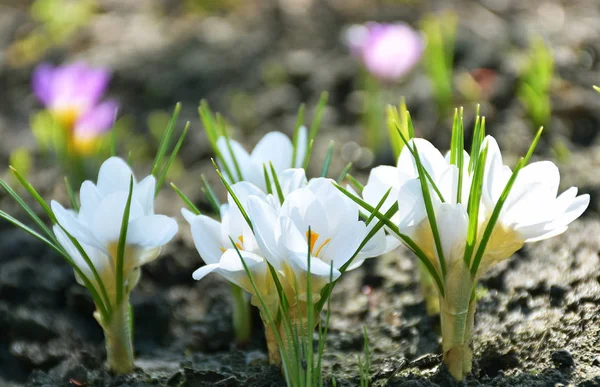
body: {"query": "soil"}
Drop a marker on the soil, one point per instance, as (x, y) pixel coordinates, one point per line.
(538, 315)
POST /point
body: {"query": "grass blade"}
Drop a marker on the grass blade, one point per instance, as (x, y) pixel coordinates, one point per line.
(122, 243)
(172, 157)
(186, 200)
(165, 140)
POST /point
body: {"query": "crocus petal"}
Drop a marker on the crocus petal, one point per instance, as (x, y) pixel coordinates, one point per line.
(291, 179)
(107, 220)
(206, 233)
(432, 159)
(67, 219)
(453, 223)
(274, 147)
(89, 198)
(151, 230)
(264, 219)
(114, 176)
(96, 121)
(144, 194)
(301, 147)
(42, 83)
(241, 156)
(391, 51)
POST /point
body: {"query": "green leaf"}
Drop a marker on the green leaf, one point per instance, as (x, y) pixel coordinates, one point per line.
(327, 161)
(404, 238)
(236, 165)
(267, 180)
(473, 205)
(494, 218)
(71, 193)
(166, 139)
(315, 125)
(234, 196)
(276, 181)
(172, 157)
(122, 243)
(344, 172)
(186, 200)
(209, 193)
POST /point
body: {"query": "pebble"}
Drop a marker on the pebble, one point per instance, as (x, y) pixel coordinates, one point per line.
(563, 358)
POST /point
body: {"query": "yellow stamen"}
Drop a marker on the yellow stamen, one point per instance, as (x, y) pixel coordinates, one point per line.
(323, 245)
(313, 239)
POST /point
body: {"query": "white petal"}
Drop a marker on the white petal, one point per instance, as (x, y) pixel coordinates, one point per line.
(241, 156)
(114, 176)
(274, 147)
(204, 271)
(453, 223)
(291, 180)
(72, 225)
(206, 233)
(302, 147)
(151, 231)
(431, 158)
(340, 208)
(107, 220)
(264, 219)
(243, 190)
(305, 210)
(89, 198)
(144, 193)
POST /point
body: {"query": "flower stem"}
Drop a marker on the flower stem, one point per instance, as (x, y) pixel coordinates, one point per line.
(272, 346)
(242, 315)
(457, 313)
(119, 340)
(429, 290)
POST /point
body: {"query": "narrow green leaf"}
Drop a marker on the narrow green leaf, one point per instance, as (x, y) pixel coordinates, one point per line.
(430, 210)
(394, 229)
(30, 212)
(427, 175)
(122, 243)
(315, 125)
(71, 193)
(209, 193)
(494, 218)
(224, 134)
(533, 145)
(165, 140)
(172, 157)
(186, 200)
(34, 194)
(276, 181)
(233, 196)
(473, 205)
(327, 161)
(344, 172)
(355, 183)
(378, 207)
(267, 180)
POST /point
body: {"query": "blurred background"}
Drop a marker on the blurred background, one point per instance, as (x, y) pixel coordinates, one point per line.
(527, 63)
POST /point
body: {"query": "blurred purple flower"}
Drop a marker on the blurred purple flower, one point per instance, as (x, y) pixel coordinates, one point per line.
(72, 93)
(388, 51)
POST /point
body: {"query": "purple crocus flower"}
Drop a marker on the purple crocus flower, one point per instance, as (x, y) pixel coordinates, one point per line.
(388, 51)
(73, 93)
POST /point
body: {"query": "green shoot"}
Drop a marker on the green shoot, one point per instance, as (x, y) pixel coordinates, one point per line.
(186, 200)
(121, 246)
(327, 161)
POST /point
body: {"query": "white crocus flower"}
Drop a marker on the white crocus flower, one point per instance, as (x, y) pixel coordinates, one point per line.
(213, 242)
(532, 211)
(274, 147)
(335, 234)
(97, 226)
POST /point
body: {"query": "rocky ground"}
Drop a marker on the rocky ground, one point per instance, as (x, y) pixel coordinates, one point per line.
(538, 318)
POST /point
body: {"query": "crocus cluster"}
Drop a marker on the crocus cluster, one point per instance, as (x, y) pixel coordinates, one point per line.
(461, 214)
(310, 220)
(73, 95)
(387, 51)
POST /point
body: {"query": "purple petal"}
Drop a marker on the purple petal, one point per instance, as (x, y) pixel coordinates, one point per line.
(97, 121)
(77, 86)
(390, 51)
(42, 83)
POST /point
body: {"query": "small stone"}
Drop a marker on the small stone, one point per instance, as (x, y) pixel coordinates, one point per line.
(596, 361)
(557, 294)
(563, 358)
